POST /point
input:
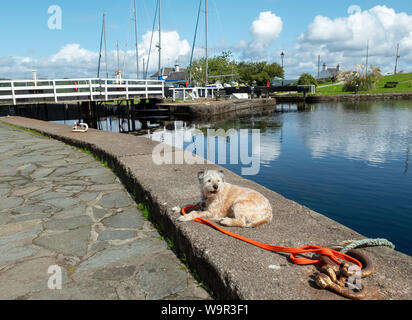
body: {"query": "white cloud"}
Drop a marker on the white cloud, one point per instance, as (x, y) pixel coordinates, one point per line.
(74, 61)
(266, 28)
(343, 40)
(264, 31)
(172, 48)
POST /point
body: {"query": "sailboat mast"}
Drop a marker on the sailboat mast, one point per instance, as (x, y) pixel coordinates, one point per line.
(137, 47)
(194, 43)
(118, 55)
(160, 41)
(397, 57)
(105, 45)
(100, 51)
(207, 62)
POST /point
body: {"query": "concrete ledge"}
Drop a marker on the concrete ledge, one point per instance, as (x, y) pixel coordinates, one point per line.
(199, 108)
(231, 268)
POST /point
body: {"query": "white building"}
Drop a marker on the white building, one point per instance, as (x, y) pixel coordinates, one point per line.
(329, 72)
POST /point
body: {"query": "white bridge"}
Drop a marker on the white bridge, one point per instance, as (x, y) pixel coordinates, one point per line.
(93, 89)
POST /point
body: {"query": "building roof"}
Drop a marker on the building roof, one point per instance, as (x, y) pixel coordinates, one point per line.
(165, 71)
(329, 72)
(177, 76)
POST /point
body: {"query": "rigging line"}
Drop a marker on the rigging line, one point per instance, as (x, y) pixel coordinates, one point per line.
(218, 15)
(127, 38)
(194, 42)
(146, 13)
(151, 39)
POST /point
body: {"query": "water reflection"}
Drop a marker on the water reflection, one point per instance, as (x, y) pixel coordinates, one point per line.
(376, 133)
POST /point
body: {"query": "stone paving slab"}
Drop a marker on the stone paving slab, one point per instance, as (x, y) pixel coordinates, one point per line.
(231, 268)
(59, 206)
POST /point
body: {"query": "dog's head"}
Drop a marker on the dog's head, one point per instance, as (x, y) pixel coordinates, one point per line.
(211, 182)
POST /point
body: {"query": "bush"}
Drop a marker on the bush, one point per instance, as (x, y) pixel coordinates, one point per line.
(306, 80)
(364, 82)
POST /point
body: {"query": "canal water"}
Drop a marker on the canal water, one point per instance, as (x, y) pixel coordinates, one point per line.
(348, 161)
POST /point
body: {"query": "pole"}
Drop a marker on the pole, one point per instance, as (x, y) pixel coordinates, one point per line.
(283, 77)
(118, 57)
(367, 57)
(397, 57)
(105, 45)
(207, 62)
(136, 36)
(318, 66)
(194, 42)
(100, 51)
(143, 72)
(160, 40)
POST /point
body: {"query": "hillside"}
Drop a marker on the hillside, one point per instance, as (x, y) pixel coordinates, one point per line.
(404, 79)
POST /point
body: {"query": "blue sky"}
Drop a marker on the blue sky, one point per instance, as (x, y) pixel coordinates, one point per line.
(25, 33)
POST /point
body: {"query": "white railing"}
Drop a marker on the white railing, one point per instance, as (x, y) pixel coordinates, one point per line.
(194, 93)
(79, 89)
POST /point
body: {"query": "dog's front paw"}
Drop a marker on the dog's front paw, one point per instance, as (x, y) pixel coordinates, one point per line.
(176, 209)
(225, 222)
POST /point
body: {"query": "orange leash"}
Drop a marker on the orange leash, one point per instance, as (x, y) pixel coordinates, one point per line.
(332, 254)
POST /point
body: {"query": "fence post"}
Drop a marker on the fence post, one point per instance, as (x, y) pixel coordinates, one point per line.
(13, 93)
(105, 89)
(163, 89)
(91, 89)
(54, 91)
(174, 94)
(127, 89)
(146, 92)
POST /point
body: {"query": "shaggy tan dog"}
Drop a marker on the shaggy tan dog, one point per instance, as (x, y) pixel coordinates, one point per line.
(230, 205)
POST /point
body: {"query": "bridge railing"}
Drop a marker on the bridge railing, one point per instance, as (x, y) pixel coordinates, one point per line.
(56, 90)
(194, 93)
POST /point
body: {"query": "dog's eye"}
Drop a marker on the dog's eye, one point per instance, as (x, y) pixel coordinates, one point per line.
(209, 180)
(218, 181)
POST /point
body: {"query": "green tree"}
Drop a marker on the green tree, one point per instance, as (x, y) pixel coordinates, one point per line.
(218, 66)
(306, 79)
(245, 72)
(261, 72)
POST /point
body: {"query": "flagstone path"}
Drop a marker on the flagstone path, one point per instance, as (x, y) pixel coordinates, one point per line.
(61, 207)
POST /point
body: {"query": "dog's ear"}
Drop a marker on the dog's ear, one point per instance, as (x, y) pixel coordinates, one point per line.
(222, 175)
(200, 174)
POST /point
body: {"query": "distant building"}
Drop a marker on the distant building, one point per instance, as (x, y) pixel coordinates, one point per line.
(175, 74)
(329, 72)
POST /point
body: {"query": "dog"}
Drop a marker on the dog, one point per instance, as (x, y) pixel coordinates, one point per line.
(229, 205)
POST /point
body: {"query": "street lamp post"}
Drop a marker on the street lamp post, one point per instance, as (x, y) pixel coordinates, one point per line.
(283, 76)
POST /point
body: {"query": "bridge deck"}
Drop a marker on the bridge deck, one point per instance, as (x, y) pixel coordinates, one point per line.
(20, 91)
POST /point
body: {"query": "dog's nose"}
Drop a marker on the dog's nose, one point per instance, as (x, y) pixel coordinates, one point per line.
(215, 186)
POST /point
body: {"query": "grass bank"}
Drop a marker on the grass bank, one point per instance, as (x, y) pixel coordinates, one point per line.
(404, 85)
